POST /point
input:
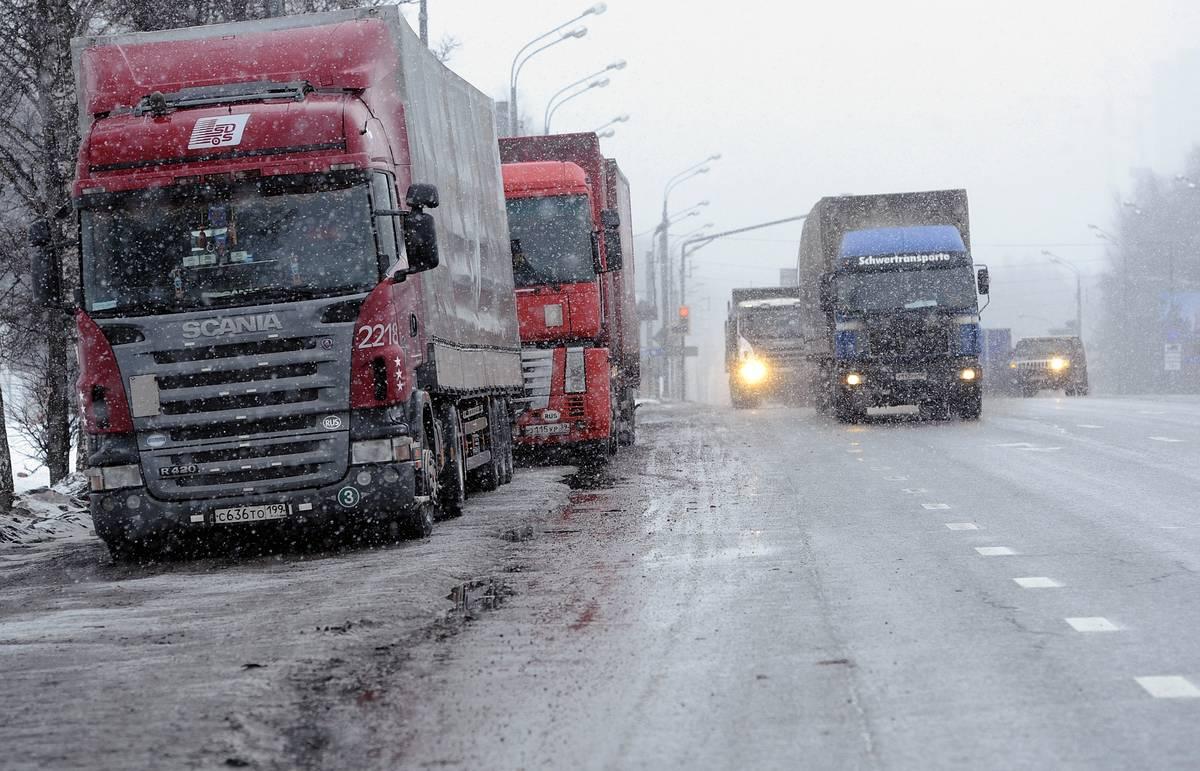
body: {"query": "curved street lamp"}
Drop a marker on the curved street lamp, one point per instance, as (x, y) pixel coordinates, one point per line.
(1054, 258)
(619, 64)
(514, 70)
(618, 119)
(605, 134)
(601, 83)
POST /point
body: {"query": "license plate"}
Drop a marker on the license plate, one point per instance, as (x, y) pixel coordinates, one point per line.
(251, 513)
(910, 375)
(549, 429)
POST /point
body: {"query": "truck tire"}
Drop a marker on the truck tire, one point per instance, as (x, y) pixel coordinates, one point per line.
(742, 400)
(452, 482)
(848, 414)
(971, 408)
(129, 551)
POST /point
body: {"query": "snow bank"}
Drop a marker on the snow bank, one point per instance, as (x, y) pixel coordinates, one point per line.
(47, 513)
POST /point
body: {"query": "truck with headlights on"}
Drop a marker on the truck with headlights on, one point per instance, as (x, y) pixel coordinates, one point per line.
(889, 296)
(764, 346)
(274, 330)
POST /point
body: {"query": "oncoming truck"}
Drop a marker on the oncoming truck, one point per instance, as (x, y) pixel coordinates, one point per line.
(888, 296)
(272, 324)
(571, 239)
(764, 349)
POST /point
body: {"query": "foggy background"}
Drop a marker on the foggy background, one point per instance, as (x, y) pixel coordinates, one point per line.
(1040, 110)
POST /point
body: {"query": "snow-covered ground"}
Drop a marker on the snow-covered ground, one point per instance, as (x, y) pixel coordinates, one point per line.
(46, 514)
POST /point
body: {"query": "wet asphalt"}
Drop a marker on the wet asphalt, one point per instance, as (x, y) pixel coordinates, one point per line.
(744, 589)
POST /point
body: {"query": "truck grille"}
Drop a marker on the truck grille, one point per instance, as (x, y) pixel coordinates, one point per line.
(259, 413)
(537, 368)
(908, 341)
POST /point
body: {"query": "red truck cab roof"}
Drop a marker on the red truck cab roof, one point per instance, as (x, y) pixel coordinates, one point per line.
(538, 179)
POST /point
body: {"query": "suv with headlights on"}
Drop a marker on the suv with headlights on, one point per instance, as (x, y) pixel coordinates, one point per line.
(1049, 362)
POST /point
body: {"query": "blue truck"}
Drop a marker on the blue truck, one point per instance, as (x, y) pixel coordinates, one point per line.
(889, 301)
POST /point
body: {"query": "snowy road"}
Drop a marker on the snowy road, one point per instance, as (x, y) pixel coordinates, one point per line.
(747, 589)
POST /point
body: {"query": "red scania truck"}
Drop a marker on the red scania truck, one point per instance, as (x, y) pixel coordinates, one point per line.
(270, 328)
(572, 245)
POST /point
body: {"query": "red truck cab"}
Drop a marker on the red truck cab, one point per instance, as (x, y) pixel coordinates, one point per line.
(570, 269)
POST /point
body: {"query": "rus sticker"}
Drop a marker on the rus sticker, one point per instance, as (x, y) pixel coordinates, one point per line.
(218, 131)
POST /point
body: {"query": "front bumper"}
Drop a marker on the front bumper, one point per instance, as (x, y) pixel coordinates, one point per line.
(886, 384)
(389, 491)
(1043, 378)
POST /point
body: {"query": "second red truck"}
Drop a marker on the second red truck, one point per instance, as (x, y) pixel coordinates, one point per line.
(572, 242)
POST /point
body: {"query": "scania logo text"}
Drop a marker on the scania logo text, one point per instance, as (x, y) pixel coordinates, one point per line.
(231, 325)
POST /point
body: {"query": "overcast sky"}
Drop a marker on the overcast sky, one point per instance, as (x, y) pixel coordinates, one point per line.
(1039, 109)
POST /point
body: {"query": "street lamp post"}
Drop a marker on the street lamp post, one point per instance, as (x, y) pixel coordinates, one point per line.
(1054, 258)
(515, 70)
(601, 83)
(664, 254)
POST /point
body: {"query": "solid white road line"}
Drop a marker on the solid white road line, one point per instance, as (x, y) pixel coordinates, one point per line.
(962, 525)
(1092, 624)
(995, 551)
(1166, 439)
(935, 506)
(1037, 582)
(1169, 687)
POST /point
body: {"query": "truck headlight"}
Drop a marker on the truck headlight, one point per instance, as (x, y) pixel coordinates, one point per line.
(576, 376)
(753, 371)
(1058, 364)
(854, 379)
(381, 450)
(114, 477)
(968, 374)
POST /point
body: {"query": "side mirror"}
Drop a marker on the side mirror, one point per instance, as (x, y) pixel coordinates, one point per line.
(612, 248)
(983, 280)
(421, 196)
(420, 242)
(47, 279)
(826, 293)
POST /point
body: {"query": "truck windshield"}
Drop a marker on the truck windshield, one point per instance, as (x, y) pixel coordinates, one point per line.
(952, 288)
(551, 240)
(770, 323)
(181, 249)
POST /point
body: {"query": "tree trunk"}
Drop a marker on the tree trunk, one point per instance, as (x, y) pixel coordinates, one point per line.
(52, 192)
(6, 470)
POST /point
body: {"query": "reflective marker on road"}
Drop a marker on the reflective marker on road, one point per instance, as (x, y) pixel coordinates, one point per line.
(1092, 624)
(1037, 582)
(962, 525)
(1166, 439)
(995, 551)
(1169, 687)
(935, 506)
(914, 490)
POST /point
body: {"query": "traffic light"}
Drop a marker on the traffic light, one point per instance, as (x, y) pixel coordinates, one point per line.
(685, 315)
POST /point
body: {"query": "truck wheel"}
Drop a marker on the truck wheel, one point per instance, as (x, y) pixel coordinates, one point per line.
(1028, 391)
(128, 551)
(417, 522)
(742, 400)
(452, 494)
(971, 408)
(847, 414)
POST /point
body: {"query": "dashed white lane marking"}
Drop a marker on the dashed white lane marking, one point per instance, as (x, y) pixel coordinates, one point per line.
(1166, 439)
(962, 525)
(881, 468)
(1152, 412)
(935, 506)
(1169, 687)
(1037, 582)
(896, 478)
(1027, 447)
(1092, 624)
(854, 450)
(914, 490)
(1087, 425)
(995, 551)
